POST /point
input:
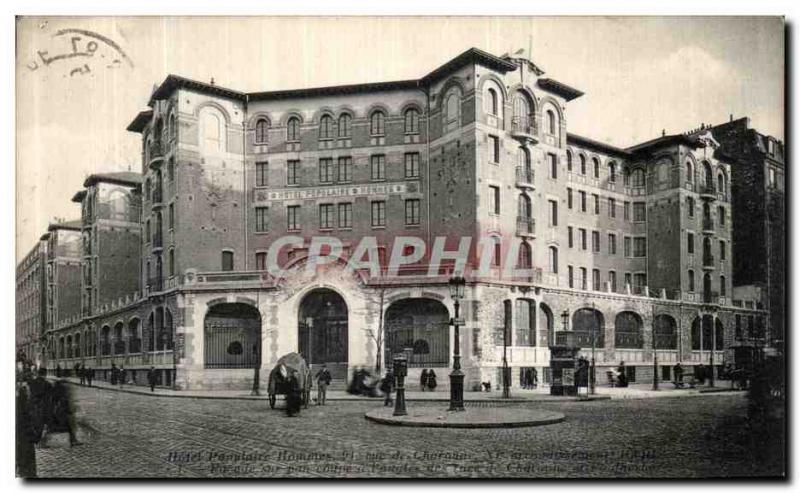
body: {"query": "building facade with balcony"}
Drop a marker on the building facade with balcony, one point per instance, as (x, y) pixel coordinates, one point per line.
(477, 148)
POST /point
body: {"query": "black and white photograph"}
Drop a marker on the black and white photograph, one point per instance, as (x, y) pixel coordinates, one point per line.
(428, 247)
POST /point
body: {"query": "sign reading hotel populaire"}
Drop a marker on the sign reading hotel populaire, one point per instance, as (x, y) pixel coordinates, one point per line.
(336, 191)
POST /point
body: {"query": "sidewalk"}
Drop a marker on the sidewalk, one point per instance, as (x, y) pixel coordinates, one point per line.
(542, 394)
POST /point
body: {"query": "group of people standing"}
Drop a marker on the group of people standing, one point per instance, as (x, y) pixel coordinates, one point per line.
(529, 378)
(427, 380)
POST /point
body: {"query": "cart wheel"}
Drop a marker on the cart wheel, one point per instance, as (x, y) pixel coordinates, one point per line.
(272, 401)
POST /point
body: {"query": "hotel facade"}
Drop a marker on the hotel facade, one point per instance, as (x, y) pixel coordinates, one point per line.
(630, 249)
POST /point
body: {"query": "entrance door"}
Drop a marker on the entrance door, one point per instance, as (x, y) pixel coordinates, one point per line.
(322, 331)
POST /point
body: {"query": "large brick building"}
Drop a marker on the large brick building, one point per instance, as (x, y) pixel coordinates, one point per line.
(629, 248)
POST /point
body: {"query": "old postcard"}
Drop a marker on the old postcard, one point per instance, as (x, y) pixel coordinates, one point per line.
(375, 247)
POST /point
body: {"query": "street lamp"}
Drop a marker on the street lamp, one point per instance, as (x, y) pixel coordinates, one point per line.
(457, 285)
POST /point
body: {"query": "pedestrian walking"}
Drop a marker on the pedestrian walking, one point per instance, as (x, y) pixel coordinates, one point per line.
(622, 378)
(423, 379)
(151, 378)
(323, 378)
(677, 372)
(82, 374)
(114, 371)
(89, 376)
(700, 373)
(534, 378)
(387, 386)
(294, 395)
(431, 380)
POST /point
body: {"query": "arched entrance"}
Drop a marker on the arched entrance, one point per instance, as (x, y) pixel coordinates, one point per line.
(547, 334)
(322, 330)
(232, 336)
(421, 324)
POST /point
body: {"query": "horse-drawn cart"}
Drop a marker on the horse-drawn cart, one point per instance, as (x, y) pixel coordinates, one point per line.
(279, 378)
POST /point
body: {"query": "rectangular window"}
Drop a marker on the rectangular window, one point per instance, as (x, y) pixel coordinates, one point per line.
(626, 211)
(292, 172)
(494, 149)
(412, 212)
(412, 165)
(583, 239)
(690, 206)
(569, 198)
(596, 241)
(612, 207)
(345, 171)
(325, 216)
(738, 326)
(326, 170)
(495, 191)
(261, 219)
(628, 282)
(379, 214)
(553, 213)
(640, 247)
(496, 253)
(639, 282)
(772, 180)
(171, 216)
(553, 160)
(583, 277)
(261, 261)
(612, 244)
(261, 173)
(627, 246)
(583, 201)
(596, 199)
(639, 212)
(690, 243)
(346, 215)
(570, 276)
(227, 260)
(596, 279)
(293, 218)
(612, 281)
(721, 214)
(569, 236)
(722, 252)
(378, 167)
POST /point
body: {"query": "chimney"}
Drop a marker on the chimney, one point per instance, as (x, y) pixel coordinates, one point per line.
(663, 132)
(212, 81)
(731, 117)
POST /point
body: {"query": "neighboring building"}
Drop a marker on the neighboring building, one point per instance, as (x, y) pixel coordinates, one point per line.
(759, 218)
(63, 276)
(30, 302)
(629, 248)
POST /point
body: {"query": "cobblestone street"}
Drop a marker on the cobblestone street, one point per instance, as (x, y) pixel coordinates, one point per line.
(129, 435)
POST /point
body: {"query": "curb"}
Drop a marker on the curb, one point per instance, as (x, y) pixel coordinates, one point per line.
(553, 418)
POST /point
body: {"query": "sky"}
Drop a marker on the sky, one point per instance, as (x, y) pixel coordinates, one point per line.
(640, 75)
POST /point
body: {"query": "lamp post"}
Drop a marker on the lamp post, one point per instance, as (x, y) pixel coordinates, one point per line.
(594, 345)
(456, 285)
(655, 353)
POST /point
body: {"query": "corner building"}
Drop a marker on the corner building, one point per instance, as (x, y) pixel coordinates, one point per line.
(629, 248)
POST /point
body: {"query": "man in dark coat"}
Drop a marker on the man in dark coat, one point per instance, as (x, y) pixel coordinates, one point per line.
(89, 376)
(431, 380)
(113, 374)
(294, 396)
(151, 378)
(387, 386)
(323, 378)
(82, 374)
(677, 371)
(63, 413)
(39, 401)
(423, 379)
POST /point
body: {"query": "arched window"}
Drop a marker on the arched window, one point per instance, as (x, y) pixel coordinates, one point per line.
(583, 164)
(411, 121)
(524, 207)
(345, 125)
(524, 165)
(722, 288)
(596, 165)
(637, 178)
(612, 172)
(708, 174)
(377, 122)
(524, 260)
(554, 260)
(587, 324)
(666, 333)
(628, 331)
(262, 131)
(173, 130)
(171, 260)
(689, 172)
(453, 109)
(569, 161)
(721, 183)
(492, 102)
(326, 127)
(690, 277)
(293, 129)
(522, 120)
(551, 122)
(212, 122)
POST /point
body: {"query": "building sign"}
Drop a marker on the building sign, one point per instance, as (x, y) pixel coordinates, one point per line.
(335, 191)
